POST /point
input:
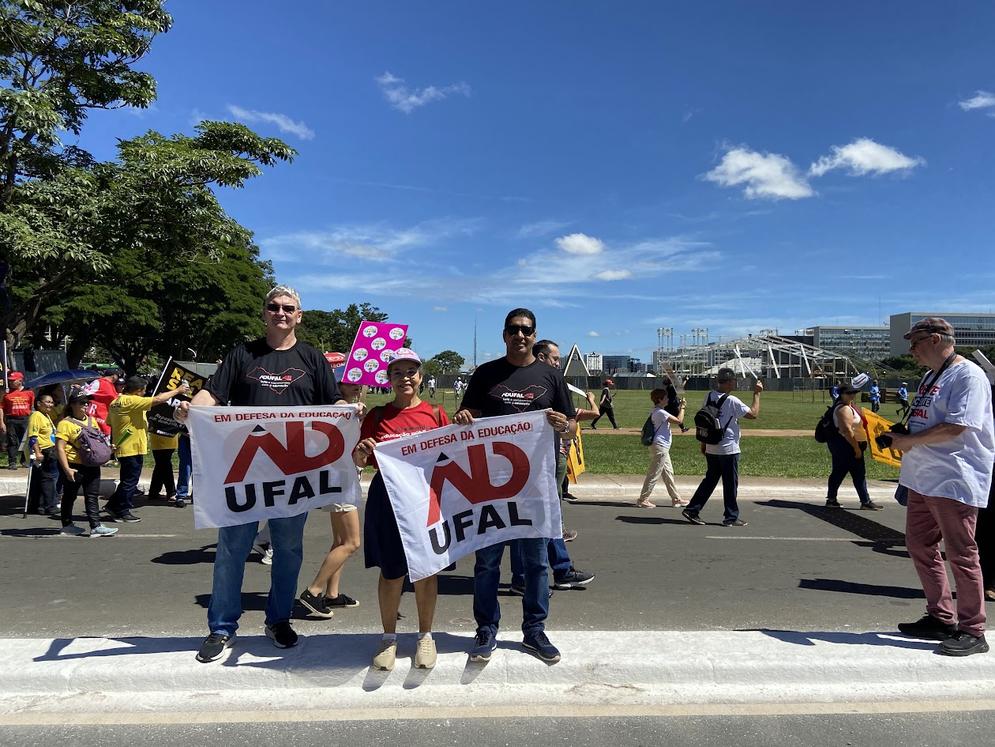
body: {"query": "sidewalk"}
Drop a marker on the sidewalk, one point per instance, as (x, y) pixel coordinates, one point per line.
(100, 680)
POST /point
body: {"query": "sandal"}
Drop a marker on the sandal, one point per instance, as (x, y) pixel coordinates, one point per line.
(645, 504)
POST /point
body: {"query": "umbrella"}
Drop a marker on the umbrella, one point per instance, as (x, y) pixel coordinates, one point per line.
(62, 377)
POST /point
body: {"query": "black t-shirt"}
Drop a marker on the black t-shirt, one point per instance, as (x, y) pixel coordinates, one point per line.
(502, 388)
(673, 401)
(256, 374)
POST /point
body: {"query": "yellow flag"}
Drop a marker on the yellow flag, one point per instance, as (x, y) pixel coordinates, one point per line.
(575, 459)
(876, 425)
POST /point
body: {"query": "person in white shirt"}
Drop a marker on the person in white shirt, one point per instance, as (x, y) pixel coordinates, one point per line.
(723, 458)
(947, 470)
(660, 464)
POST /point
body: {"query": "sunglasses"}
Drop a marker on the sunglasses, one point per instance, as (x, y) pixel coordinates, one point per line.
(913, 343)
(525, 329)
(285, 308)
(409, 373)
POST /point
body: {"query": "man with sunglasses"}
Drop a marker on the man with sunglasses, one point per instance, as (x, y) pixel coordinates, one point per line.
(516, 383)
(947, 469)
(275, 370)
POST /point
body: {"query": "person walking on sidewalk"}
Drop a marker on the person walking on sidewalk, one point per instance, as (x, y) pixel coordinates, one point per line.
(605, 406)
(254, 374)
(947, 470)
(847, 443)
(513, 384)
(75, 474)
(660, 463)
(723, 458)
(45, 464)
(14, 413)
(130, 431)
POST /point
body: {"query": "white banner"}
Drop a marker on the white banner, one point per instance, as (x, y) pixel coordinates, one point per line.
(463, 487)
(255, 463)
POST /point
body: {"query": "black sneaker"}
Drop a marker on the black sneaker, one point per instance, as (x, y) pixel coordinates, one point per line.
(538, 644)
(341, 600)
(483, 645)
(316, 604)
(214, 645)
(572, 579)
(735, 523)
(928, 626)
(871, 506)
(126, 518)
(570, 498)
(964, 644)
(282, 635)
(693, 518)
(833, 503)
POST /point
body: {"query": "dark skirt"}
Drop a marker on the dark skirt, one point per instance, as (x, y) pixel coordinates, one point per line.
(381, 537)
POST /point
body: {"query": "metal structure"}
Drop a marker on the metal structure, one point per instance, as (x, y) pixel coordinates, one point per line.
(768, 356)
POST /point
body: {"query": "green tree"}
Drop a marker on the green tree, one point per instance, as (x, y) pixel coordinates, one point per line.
(117, 220)
(336, 329)
(448, 361)
(58, 60)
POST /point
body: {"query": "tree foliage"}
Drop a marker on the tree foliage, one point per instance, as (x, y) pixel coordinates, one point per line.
(448, 361)
(335, 330)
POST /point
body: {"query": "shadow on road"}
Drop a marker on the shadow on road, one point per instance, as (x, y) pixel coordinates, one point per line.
(878, 537)
(808, 638)
(203, 554)
(854, 587)
(650, 520)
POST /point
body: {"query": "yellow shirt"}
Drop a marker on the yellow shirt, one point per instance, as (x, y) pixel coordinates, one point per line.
(158, 442)
(68, 431)
(40, 426)
(129, 426)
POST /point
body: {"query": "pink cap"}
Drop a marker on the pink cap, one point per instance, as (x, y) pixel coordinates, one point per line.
(404, 354)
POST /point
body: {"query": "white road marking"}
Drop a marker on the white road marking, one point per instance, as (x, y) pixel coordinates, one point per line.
(804, 539)
(58, 535)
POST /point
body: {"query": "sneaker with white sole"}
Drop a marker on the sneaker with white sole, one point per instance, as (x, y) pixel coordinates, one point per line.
(282, 635)
(342, 600)
(538, 644)
(425, 654)
(214, 646)
(483, 645)
(573, 579)
(73, 531)
(101, 531)
(386, 655)
(316, 604)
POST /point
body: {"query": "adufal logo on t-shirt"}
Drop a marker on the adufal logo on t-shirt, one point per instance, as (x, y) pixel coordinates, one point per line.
(275, 382)
(520, 399)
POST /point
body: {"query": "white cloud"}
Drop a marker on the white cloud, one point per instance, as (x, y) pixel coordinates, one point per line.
(613, 274)
(580, 243)
(980, 100)
(541, 228)
(766, 175)
(406, 99)
(592, 333)
(440, 308)
(376, 243)
(283, 123)
(864, 156)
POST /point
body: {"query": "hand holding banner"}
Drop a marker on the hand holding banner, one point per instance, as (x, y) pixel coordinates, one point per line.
(372, 351)
(463, 487)
(255, 463)
(876, 426)
(160, 417)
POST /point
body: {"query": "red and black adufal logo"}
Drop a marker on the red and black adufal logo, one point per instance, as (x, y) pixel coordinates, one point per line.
(276, 382)
(520, 399)
(476, 486)
(291, 458)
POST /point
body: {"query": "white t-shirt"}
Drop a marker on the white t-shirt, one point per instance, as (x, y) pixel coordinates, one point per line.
(960, 468)
(661, 424)
(732, 410)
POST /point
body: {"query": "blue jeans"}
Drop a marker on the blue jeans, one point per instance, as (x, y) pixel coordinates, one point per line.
(234, 545)
(556, 549)
(131, 470)
(186, 467)
(487, 575)
(726, 467)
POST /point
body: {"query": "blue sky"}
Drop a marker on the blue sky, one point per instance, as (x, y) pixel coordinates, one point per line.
(616, 167)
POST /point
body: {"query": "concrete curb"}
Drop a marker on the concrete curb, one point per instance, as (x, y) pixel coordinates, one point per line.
(88, 675)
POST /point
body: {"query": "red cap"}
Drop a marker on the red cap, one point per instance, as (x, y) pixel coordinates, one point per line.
(15, 376)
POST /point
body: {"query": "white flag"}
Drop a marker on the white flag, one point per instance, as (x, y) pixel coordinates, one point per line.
(255, 463)
(463, 487)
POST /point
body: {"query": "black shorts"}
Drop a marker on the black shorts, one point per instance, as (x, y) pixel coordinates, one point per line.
(381, 538)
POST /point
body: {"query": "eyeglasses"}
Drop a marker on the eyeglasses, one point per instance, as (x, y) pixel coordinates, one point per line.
(913, 343)
(409, 373)
(525, 329)
(285, 308)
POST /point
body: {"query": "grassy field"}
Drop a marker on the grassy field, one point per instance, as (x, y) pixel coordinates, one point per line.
(762, 457)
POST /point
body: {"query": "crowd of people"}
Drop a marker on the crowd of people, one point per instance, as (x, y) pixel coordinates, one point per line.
(946, 477)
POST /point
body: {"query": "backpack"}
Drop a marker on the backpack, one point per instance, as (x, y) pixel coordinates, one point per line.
(648, 436)
(92, 447)
(826, 426)
(707, 427)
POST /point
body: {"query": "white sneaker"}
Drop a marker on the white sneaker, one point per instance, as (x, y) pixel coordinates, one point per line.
(267, 558)
(102, 531)
(72, 531)
(425, 654)
(386, 655)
